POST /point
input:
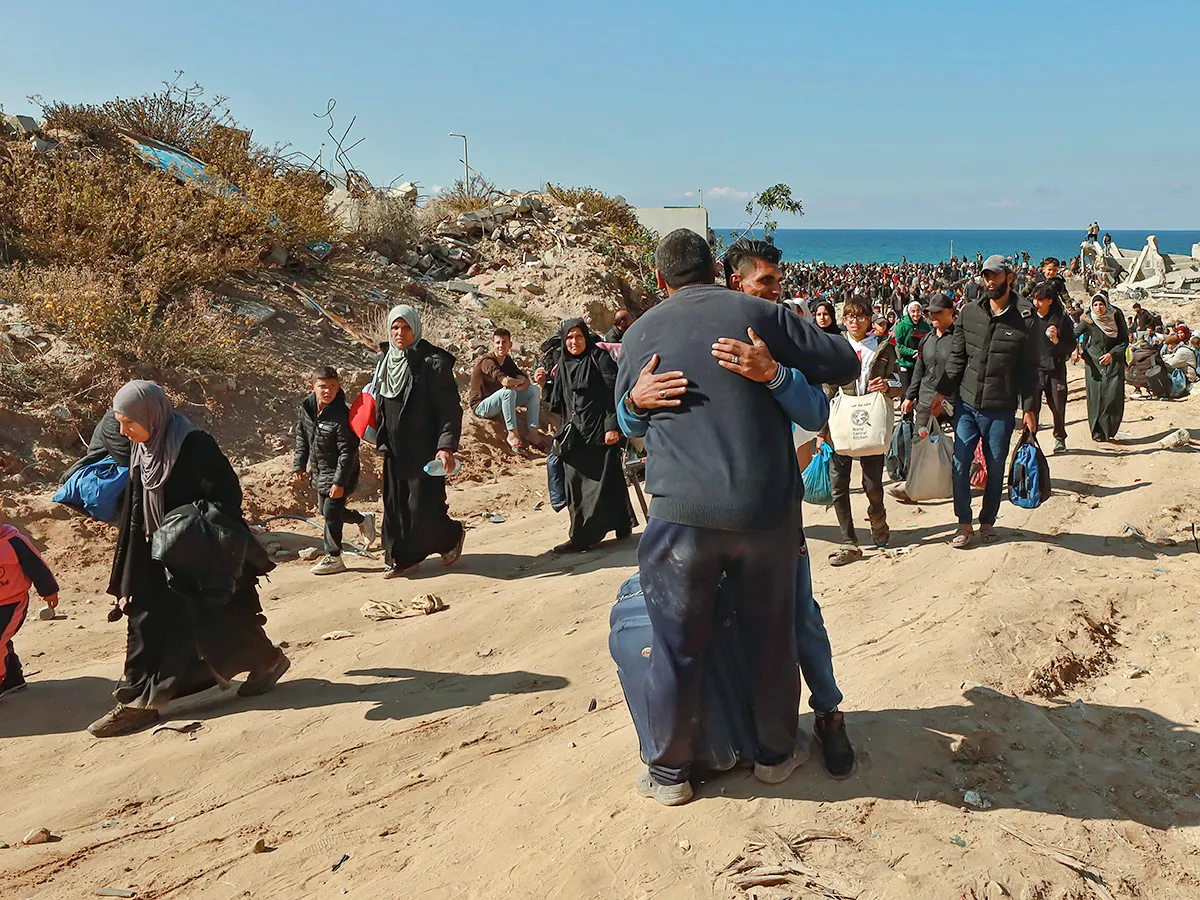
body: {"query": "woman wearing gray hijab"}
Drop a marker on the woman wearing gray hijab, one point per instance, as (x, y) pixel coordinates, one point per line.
(419, 420)
(176, 645)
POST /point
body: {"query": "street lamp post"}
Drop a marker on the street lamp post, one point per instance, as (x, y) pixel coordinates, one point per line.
(466, 163)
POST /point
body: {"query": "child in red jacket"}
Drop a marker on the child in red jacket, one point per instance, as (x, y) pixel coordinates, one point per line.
(21, 567)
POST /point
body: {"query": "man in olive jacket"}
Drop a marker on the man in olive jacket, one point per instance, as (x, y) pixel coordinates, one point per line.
(992, 365)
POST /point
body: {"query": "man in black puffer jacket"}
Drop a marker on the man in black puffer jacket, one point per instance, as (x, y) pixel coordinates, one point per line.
(325, 440)
(992, 365)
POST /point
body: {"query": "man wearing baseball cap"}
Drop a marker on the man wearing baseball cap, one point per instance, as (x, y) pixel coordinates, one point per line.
(992, 366)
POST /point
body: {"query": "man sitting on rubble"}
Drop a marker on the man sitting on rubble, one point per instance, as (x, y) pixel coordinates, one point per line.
(621, 322)
(498, 387)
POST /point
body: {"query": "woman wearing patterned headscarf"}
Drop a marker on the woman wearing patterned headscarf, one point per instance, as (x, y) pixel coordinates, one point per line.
(176, 645)
(419, 420)
(1103, 339)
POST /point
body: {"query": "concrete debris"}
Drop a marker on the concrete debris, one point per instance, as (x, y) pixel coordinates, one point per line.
(20, 125)
(1150, 270)
(406, 192)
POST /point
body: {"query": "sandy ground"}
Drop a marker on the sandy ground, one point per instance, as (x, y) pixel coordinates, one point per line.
(454, 755)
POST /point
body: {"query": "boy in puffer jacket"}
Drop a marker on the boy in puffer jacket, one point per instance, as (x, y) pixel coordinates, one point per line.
(325, 440)
(21, 567)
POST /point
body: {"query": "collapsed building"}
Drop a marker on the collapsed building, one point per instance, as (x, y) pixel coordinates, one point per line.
(1166, 275)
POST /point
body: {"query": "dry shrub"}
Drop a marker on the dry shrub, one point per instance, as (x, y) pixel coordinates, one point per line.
(428, 216)
(386, 225)
(469, 196)
(112, 213)
(117, 319)
(181, 117)
(613, 211)
(89, 120)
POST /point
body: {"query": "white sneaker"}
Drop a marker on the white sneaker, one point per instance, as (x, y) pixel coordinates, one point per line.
(330, 565)
(367, 529)
(780, 773)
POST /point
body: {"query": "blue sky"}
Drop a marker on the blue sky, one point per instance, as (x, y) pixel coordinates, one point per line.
(878, 114)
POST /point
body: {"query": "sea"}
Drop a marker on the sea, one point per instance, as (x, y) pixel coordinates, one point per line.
(837, 246)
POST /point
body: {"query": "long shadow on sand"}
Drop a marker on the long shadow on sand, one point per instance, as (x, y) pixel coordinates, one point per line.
(1083, 761)
(55, 706)
(406, 693)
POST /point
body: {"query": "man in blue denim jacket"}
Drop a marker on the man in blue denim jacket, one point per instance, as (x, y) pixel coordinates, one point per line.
(753, 268)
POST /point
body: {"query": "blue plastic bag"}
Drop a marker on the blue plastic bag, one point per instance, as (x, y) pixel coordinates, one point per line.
(818, 489)
(96, 489)
(1179, 384)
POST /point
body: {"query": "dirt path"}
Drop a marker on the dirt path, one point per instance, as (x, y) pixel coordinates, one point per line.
(454, 755)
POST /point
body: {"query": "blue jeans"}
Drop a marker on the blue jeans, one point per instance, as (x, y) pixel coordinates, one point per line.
(505, 402)
(995, 428)
(812, 642)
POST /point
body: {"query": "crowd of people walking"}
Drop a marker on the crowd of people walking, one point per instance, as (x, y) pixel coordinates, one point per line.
(974, 348)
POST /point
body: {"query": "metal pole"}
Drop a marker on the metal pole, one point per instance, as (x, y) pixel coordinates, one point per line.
(466, 163)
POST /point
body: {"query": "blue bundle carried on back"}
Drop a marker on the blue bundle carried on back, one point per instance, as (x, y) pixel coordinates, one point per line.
(818, 489)
(96, 488)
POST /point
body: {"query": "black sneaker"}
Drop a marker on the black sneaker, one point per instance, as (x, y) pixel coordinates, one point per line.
(836, 753)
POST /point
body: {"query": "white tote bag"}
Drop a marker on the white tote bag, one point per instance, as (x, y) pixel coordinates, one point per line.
(861, 425)
(931, 467)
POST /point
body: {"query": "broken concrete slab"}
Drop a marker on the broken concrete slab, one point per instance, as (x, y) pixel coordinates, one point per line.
(21, 125)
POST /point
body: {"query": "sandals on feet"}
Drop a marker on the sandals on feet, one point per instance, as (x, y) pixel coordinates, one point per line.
(451, 558)
(987, 535)
(844, 555)
(961, 541)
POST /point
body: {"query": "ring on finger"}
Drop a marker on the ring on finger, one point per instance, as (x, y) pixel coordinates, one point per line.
(662, 395)
(735, 360)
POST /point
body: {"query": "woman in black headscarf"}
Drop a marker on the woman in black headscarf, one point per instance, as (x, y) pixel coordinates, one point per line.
(419, 422)
(1103, 339)
(825, 315)
(177, 645)
(588, 443)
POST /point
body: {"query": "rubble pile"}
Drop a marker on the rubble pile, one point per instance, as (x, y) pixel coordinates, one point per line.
(1148, 272)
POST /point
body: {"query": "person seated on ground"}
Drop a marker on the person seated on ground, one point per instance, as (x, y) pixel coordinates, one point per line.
(1178, 355)
(927, 374)
(1141, 320)
(1142, 358)
(877, 372)
(1182, 332)
(326, 443)
(498, 387)
(621, 322)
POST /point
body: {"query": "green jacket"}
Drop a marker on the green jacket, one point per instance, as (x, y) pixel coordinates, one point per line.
(908, 336)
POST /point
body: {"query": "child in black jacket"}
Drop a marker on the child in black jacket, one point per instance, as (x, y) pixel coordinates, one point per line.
(325, 440)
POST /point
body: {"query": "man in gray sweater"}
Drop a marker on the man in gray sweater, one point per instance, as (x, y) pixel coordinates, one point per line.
(727, 491)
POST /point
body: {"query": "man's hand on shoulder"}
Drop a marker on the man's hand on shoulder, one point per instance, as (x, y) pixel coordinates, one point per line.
(752, 360)
(660, 391)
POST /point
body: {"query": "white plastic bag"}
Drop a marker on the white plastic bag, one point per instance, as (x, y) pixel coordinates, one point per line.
(931, 468)
(861, 425)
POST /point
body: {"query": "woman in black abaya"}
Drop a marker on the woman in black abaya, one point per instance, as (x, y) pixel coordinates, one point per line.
(177, 645)
(419, 421)
(1104, 337)
(589, 443)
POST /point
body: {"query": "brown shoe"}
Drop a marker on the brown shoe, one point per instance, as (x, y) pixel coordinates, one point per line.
(123, 720)
(263, 680)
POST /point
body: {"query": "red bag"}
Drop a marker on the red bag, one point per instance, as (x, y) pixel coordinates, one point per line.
(979, 468)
